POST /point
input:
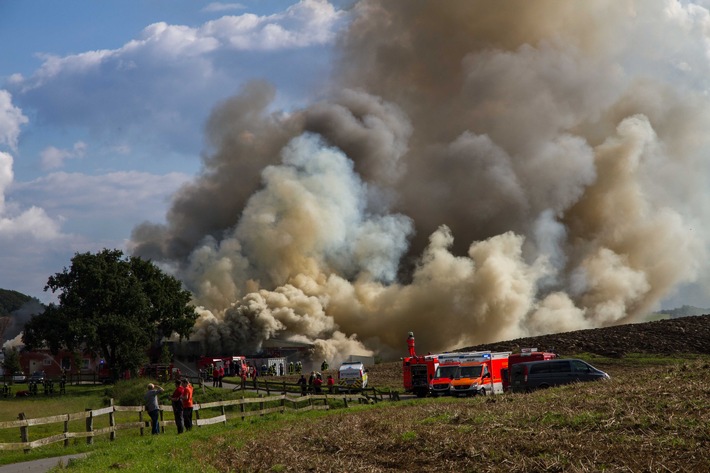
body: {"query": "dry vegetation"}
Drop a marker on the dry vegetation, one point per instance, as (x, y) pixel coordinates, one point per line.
(654, 415)
(653, 418)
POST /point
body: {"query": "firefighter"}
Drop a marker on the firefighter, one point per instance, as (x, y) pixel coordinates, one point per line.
(291, 368)
(324, 366)
(410, 344)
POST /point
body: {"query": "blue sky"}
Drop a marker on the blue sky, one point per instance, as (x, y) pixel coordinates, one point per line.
(103, 105)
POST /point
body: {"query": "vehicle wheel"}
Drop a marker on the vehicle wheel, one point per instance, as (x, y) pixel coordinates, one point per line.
(543, 386)
(482, 392)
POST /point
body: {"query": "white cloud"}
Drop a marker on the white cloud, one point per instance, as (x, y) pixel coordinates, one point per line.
(132, 195)
(53, 158)
(170, 76)
(220, 7)
(11, 119)
(306, 23)
(33, 222)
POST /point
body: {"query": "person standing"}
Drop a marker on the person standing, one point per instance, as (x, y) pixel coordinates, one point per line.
(152, 407)
(244, 379)
(317, 382)
(304, 384)
(176, 399)
(331, 384)
(215, 376)
(221, 375)
(310, 381)
(187, 404)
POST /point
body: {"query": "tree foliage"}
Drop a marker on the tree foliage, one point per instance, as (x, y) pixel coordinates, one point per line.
(112, 306)
(11, 363)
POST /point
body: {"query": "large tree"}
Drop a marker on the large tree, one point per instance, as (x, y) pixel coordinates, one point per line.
(112, 306)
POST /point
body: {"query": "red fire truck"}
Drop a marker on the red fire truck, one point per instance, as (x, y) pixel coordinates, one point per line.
(418, 371)
(232, 364)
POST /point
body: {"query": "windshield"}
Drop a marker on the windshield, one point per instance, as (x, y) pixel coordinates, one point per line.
(470, 371)
(445, 372)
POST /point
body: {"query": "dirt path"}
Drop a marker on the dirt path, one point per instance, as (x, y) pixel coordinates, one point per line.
(39, 466)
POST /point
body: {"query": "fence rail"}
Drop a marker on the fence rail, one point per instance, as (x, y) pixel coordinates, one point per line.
(266, 405)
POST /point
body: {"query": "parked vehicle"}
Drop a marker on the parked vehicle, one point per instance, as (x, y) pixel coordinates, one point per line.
(37, 377)
(528, 376)
(418, 370)
(440, 384)
(480, 377)
(352, 374)
(526, 354)
(19, 377)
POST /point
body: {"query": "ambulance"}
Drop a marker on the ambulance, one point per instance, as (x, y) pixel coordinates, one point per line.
(352, 375)
(440, 384)
(480, 377)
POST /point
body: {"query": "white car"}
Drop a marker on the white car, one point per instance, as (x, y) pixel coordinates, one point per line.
(19, 378)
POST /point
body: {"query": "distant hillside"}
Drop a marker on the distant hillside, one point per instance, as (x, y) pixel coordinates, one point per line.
(19, 307)
(685, 311)
(10, 301)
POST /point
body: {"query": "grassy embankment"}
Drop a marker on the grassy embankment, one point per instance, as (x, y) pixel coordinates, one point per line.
(654, 415)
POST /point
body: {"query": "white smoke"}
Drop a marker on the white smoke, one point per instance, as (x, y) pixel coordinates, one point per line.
(562, 145)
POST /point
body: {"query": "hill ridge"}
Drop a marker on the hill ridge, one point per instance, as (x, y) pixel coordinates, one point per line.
(679, 335)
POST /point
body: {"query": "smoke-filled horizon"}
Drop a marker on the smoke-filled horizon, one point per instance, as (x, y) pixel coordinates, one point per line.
(475, 173)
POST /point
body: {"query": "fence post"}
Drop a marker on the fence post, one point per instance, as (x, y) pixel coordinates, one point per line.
(66, 430)
(241, 406)
(284, 386)
(112, 421)
(162, 427)
(197, 417)
(345, 400)
(268, 392)
(261, 406)
(224, 413)
(140, 419)
(24, 431)
(90, 427)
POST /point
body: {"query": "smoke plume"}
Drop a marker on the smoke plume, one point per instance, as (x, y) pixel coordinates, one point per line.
(475, 172)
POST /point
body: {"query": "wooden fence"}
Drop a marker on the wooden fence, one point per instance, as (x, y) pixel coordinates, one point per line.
(247, 407)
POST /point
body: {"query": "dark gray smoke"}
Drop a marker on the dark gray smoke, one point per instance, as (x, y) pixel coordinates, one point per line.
(478, 172)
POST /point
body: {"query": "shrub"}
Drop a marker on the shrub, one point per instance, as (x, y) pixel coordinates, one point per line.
(128, 392)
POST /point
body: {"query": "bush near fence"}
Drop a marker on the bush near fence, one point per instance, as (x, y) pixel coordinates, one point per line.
(112, 419)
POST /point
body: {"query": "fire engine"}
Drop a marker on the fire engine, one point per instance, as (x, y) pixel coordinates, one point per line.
(482, 376)
(232, 364)
(418, 371)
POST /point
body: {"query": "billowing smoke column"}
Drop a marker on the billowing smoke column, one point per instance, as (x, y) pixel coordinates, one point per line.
(478, 172)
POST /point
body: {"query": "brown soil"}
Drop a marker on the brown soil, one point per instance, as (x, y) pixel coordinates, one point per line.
(681, 335)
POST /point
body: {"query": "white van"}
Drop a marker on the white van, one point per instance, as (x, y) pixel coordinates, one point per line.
(352, 374)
